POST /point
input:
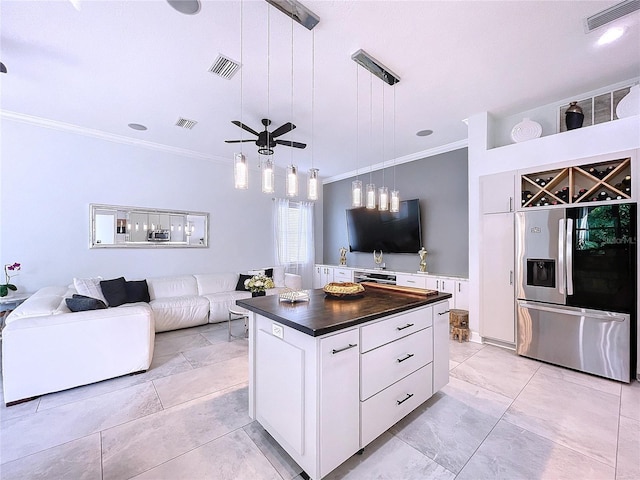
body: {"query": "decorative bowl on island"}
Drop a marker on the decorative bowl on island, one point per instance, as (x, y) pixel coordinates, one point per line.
(343, 289)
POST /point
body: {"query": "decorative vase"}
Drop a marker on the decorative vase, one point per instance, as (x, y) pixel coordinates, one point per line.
(258, 294)
(574, 116)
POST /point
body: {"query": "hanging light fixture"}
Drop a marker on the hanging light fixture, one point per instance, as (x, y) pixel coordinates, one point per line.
(291, 187)
(395, 194)
(240, 170)
(356, 185)
(371, 187)
(268, 175)
(312, 180)
(383, 191)
(266, 164)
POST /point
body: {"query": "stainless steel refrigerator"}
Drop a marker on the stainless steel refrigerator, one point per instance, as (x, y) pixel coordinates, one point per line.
(576, 285)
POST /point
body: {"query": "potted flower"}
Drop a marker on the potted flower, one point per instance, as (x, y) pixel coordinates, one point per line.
(258, 284)
(9, 270)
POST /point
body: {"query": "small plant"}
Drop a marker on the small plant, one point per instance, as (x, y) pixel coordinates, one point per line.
(9, 270)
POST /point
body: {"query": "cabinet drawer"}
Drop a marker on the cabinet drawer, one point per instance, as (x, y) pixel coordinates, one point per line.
(389, 406)
(393, 328)
(411, 281)
(385, 365)
(342, 275)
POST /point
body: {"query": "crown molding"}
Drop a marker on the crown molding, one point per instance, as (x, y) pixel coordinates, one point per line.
(109, 137)
(449, 147)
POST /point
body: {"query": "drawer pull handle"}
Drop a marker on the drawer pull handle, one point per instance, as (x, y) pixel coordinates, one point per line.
(351, 345)
(443, 313)
(409, 395)
(409, 355)
(406, 326)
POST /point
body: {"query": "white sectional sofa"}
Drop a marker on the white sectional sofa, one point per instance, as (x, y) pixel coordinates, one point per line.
(47, 348)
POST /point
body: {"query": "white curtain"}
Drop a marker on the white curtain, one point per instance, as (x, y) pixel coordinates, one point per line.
(294, 238)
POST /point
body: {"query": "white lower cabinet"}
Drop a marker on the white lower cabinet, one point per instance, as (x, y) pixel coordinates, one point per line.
(339, 395)
(322, 275)
(461, 295)
(325, 398)
(407, 280)
(342, 274)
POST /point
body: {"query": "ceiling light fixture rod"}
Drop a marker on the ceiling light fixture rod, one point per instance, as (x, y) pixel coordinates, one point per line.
(297, 11)
(374, 66)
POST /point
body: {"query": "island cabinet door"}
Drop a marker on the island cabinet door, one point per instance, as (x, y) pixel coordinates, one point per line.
(440, 345)
(339, 399)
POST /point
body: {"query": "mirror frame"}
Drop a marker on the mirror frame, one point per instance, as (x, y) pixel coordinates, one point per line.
(97, 207)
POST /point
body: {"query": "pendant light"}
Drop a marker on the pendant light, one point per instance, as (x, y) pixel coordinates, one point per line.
(371, 187)
(383, 191)
(356, 185)
(240, 170)
(291, 188)
(395, 194)
(312, 180)
(266, 164)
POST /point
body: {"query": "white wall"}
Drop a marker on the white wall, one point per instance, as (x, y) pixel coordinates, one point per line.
(49, 178)
(618, 135)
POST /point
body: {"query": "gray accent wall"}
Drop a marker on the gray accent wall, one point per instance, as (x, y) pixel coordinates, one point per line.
(440, 183)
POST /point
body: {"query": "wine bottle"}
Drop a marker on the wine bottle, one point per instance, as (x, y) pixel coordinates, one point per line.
(593, 171)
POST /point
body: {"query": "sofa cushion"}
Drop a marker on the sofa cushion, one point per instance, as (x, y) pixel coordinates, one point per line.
(219, 304)
(46, 301)
(179, 312)
(278, 276)
(137, 291)
(82, 303)
(240, 285)
(175, 286)
(115, 291)
(216, 282)
(89, 287)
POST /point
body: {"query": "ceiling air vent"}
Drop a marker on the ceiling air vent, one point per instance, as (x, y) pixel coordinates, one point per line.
(186, 123)
(611, 14)
(224, 67)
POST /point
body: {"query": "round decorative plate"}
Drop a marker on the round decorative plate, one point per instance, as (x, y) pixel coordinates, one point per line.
(343, 289)
(629, 105)
(526, 130)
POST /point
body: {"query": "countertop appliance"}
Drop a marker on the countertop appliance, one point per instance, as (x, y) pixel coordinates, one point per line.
(160, 235)
(576, 285)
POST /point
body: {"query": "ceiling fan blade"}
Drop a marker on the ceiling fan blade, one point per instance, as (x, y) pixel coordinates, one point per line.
(287, 127)
(244, 127)
(239, 141)
(289, 143)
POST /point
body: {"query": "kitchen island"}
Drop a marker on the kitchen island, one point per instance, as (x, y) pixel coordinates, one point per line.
(329, 375)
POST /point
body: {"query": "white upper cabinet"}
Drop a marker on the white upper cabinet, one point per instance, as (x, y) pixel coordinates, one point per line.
(497, 193)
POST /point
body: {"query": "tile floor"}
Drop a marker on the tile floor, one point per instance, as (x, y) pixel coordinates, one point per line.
(500, 416)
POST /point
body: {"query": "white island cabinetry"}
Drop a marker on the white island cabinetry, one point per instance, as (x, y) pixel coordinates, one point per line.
(325, 397)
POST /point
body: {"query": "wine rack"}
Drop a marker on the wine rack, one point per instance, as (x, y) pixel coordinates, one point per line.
(596, 182)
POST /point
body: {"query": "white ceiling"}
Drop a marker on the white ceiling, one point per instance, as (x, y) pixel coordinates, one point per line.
(118, 62)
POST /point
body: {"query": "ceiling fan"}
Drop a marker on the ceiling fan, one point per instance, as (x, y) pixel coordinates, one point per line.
(267, 140)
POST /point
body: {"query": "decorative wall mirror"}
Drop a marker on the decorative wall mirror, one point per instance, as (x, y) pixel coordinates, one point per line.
(114, 226)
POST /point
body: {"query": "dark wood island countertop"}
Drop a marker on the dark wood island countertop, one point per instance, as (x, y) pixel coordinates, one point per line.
(322, 314)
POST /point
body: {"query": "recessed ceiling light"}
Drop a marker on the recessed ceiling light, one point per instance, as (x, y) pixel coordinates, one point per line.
(610, 35)
(188, 7)
(137, 126)
(424, 133)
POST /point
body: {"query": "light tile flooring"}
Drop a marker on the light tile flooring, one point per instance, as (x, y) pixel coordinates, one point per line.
(501, 416)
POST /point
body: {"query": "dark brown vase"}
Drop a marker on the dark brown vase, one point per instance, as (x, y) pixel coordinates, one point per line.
(574, 116)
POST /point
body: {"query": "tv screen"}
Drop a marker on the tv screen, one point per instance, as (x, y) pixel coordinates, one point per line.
(370, 230)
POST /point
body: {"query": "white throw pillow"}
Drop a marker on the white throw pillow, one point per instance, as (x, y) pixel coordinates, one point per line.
(90, 287)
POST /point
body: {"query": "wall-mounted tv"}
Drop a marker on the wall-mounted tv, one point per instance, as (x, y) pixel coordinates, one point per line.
(370, 230)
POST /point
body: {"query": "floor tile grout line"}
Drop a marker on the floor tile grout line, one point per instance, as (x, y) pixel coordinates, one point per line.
(262, 453)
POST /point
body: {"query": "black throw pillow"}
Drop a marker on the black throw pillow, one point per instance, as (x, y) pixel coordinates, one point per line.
(137, 291)
(240, 285)
(268, 272)
(114, 291)
(81, 303)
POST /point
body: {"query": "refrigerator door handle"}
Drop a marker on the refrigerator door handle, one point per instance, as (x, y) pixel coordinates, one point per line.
(569, 256)
(574, 312)
(561, 249)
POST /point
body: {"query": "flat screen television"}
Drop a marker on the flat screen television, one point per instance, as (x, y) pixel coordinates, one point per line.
(370, 230)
